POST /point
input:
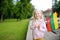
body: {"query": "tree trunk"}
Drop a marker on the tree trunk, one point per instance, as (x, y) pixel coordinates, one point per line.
(1, 17)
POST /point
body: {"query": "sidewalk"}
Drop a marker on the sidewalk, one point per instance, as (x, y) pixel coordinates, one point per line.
(29, 33)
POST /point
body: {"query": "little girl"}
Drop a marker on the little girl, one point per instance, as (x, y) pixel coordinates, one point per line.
(38, 25)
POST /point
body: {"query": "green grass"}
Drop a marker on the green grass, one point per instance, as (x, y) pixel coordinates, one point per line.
(13, 30)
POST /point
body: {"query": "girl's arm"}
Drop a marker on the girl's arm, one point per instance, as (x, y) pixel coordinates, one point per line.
(43, 27)
(32, 26)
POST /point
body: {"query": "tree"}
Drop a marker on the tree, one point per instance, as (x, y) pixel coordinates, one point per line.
(26, 9)
(16, 10)
(3, 8)
(56, 7)
(21, 10)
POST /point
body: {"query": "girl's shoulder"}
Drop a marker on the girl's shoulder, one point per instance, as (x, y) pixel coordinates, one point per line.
(33, 21)
(42, 21)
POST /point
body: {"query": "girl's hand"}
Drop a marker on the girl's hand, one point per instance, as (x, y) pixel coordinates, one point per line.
(38, 26)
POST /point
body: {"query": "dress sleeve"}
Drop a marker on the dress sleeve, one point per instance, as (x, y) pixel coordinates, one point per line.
(43, 26)
(32, 25)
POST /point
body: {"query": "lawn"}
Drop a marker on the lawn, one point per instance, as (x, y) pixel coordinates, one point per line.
(13, 30)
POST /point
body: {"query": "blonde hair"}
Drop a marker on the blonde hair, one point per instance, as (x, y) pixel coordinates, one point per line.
(40, 13)
(34, 14)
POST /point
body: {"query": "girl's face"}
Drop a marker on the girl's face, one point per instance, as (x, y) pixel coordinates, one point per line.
(40, 15)
(37, 14)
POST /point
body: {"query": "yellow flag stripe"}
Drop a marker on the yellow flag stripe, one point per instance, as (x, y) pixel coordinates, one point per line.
(55, 20)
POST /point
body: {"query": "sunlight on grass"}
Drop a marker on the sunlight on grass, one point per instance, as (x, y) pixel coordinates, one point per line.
(13, 30)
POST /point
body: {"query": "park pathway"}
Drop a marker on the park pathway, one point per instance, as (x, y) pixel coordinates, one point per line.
(48, 35)
(29, 32)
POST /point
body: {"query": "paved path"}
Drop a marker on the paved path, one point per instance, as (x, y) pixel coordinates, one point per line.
(48, 35)
(29, 32)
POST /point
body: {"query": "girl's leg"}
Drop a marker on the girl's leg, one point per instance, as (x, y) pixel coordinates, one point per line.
(38, 39)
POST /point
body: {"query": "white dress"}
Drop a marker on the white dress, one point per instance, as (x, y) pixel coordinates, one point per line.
(38, 33)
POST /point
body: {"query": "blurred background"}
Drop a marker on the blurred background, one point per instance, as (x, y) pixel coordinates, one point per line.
(22, 9)
(15, 15)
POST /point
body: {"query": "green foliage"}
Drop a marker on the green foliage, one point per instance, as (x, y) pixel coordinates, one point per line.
(21, 10)
(56, 7)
